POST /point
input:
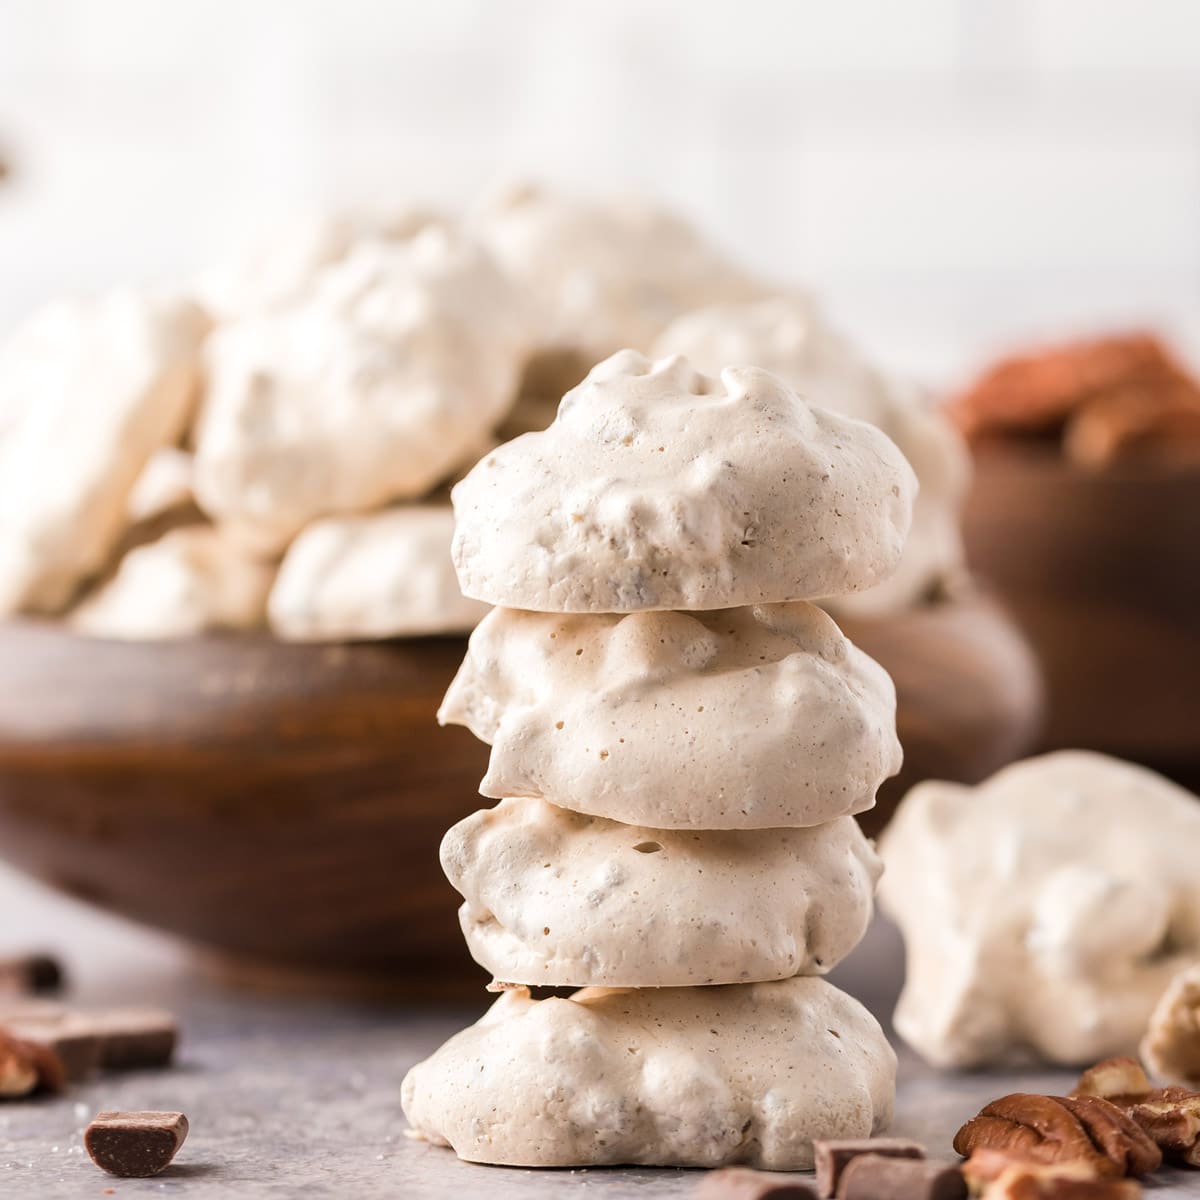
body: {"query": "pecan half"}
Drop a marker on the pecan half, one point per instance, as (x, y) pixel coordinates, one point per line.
(1170, 1116)
(1037, 392)
(1029, 1181)
(1057, 1129)
(27, 1067)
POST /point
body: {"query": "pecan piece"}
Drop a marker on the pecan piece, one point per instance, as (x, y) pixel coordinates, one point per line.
(1037, 392)
(1067, 1181)
(28, 1067)
(1170, 1116)
(1057, 1129)
(1129, 422)
(1114, 1079)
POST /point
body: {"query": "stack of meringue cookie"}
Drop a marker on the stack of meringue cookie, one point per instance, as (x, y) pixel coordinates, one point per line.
(680, 741)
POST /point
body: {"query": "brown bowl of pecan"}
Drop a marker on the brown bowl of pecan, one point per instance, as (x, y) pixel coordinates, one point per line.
(1085, 518)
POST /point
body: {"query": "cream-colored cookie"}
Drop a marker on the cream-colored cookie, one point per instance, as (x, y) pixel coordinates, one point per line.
(1171, 1047)
(165, 484)
(376, 388)
(386, 574)
(749, 718)
(558, 898)
(691, 1077)
(187, 582)
(283, 268)
(89, 389)
(660, 488)
(604, 275)
(788, 336)
(1045, 910)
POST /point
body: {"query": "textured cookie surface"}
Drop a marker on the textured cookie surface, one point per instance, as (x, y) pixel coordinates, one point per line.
(788, 336)
(660, 488)
(89, 389)
(749, 718)
(375, 388)
(696, 1077)
(1045, 910)
(558, 898)
(385, 574)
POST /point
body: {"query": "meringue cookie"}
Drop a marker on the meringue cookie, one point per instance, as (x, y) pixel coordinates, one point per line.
(1045, 910)
(387, 574)
(748, 718)
(659, 488)
(603, 275)
(165, 484)
(285, 267)
(188, 582)
(557, 898)
(788, 336)
(691, 1077)
(89, 389)
(377, 387)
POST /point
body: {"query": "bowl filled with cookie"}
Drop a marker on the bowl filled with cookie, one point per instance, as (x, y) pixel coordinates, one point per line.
(233, 596)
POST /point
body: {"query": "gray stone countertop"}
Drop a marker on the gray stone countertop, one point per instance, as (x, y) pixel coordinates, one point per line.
(292, 1097)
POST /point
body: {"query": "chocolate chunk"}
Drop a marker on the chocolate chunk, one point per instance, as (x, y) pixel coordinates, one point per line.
(30, 974)
(135, 1037)
(741, 1183)
(833, 1154)
(135, 1145)
(877, 1177)
(69, 1037)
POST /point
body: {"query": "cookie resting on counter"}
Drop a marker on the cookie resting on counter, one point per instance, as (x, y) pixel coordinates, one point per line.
(693, 1077)
(1044, 911)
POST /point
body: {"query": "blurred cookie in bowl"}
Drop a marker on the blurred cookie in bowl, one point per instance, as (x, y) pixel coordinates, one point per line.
(89, 389)
(376, 575)
(789, 336)
(1085, 516)
(601, 275)
(376, 387)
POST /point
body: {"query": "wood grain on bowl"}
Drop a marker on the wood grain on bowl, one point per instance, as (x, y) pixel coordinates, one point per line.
(1102, 571)
(283, 804)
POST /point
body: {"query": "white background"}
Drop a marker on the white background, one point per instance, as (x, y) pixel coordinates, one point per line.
(951, 174)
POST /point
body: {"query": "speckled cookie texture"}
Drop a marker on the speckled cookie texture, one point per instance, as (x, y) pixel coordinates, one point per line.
(696, 1077)
(742, 718)
(789, 336)
(376, 387)
(558, 898)
(661, 488)
(382, 574)
(1044, 911)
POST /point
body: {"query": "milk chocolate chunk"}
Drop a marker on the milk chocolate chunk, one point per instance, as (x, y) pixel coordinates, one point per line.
(833, 1155)
(135, 1145)
(71, 1038)
(879, 1177)
(742, 1183)
(30, 974)
(135, 1037)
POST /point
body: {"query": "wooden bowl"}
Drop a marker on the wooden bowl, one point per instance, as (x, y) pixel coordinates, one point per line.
(283, 804)
(1102, 571)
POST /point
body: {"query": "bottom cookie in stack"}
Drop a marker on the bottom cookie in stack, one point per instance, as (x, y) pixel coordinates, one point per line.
(691, 1077)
